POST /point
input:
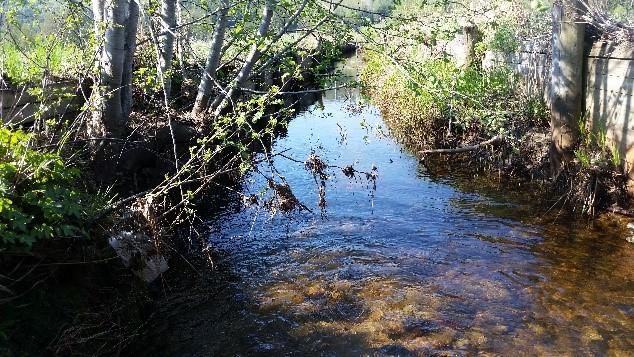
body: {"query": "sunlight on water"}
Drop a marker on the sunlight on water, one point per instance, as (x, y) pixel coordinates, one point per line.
(419, 266)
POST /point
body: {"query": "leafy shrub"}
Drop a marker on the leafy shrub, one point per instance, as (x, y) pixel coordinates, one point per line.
(503, 40)
(402, 107)
(37, 195)
(594, 148)
(472, 99)
(621, 11)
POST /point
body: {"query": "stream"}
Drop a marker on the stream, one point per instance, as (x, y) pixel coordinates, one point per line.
(412, 263)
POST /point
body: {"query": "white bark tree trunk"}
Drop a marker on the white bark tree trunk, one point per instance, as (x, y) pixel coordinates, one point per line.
(213, 60)
(97, 13)
(166, 42)
(180, 37)
(128, 63)
(118, 19)
(222, 99)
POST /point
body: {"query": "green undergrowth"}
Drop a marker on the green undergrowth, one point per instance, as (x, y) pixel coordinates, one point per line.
(40, 57)
(436, 103)
(595, 178)
(40, 196)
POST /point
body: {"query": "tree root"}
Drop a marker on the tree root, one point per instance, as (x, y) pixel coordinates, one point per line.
(491, 141)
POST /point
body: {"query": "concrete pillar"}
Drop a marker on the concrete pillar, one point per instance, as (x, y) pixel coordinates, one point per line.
(566, 81)
(472, 37)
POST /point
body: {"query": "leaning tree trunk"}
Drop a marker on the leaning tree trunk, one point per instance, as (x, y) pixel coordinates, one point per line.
(221, 101)
(166, 42)
(566, 80)
(213, 60)
(115, 25)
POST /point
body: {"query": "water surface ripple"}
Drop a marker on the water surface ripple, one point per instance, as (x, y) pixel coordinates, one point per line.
(421, 266)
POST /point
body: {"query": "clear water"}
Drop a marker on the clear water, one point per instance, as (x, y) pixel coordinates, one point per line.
(420, 266)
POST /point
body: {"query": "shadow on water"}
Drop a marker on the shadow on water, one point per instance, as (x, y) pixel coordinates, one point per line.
(422, 265)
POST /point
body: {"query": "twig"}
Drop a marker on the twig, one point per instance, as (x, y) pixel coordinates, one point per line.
(306, 91)
(620, 210)
(491, 141)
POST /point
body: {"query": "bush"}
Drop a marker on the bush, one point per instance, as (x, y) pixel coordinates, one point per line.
(38, 198)
(504, 40)
(473, 100)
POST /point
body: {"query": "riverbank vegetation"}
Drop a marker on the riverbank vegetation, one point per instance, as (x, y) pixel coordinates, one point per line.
(119, 118)
(122, 119)
(171, 93)
(444, 95)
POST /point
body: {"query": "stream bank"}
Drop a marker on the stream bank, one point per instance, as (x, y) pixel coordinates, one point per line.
(74, 295)
(411, 262)
(482, 121)
(414, 260)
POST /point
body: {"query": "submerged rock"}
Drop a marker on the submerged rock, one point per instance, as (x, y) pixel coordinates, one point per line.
(395, 350)
(138, 252)
(630, 237)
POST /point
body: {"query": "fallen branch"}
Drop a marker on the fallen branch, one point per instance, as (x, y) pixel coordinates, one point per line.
(616, 209)
(493, 140)
(306, 91)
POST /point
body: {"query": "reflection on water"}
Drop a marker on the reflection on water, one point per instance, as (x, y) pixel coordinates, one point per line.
(420, 266)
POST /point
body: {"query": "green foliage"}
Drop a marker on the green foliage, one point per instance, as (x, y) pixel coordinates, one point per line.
(583, 156)
(535, 109)
(29, 62)
(145, 77)
(594, 148)
(470, 98)
(42, 39)
(621, 10)
(503, 40)
(37, 195)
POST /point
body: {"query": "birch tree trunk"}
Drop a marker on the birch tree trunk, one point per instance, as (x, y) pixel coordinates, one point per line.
(213, 60)
(117, 19)
(166, 42)
(180, 37)
(473, 35)
(3, 11)
(97, 13)
(566, 80)
(221, 101)
(128, 63)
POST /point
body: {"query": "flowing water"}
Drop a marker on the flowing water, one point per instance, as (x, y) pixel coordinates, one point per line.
(408, 264)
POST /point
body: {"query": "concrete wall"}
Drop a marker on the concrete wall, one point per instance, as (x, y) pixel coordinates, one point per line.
(23, 105)
(532, 62)
(609, 91)
(608, 88)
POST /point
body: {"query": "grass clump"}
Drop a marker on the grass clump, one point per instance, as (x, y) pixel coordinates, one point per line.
(436, 103)
(40, 57)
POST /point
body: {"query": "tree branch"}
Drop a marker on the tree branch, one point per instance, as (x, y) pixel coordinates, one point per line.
(493, 140)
